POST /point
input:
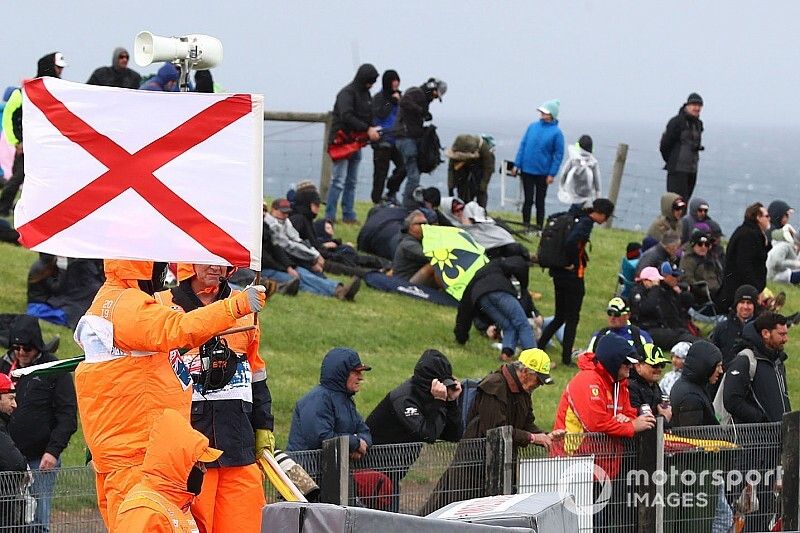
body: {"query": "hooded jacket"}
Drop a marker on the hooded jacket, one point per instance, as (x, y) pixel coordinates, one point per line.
(502, 401)
(384, 107)
(414, 110)
(160, 502)
(469, 150)
(666, 221)
(594, 396)
(699, 268)
(114, 76)
(541, 149)
(690, 222)
(745, 261)
(782, 259)
(766, 398)
(165, 74)
(643, 392)
(410, 413)
(691, 404)
(591, 401)
(47, 413)
(681, 142)
(495, 276)
(579, 177)
(229, 416)
(133, 370)
(381, 231)
(302, 218)
(352, 111)
(328, 410)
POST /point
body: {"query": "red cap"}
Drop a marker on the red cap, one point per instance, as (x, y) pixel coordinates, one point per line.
(6, 385)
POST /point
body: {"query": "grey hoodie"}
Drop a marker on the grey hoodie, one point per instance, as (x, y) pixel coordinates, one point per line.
(579, 177)
(782, 259)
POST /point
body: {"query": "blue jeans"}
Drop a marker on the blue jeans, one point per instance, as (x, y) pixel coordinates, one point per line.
(42, 489)
(508, 315)
(343, 182)
(408, 149)
(309, 281)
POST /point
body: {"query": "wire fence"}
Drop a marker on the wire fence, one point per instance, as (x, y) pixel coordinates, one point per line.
(701, 479)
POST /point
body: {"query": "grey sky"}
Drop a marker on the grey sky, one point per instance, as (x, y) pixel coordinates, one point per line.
(620, 60)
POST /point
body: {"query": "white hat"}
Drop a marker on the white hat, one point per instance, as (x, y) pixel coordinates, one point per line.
(60, 61)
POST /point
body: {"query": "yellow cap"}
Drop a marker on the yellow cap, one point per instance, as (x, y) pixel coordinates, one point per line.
(209, 455)
(538, 361)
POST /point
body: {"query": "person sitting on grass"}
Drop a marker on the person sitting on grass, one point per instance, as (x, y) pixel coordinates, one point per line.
(409, 261)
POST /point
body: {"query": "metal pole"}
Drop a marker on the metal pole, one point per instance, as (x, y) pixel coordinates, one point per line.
(616, 177)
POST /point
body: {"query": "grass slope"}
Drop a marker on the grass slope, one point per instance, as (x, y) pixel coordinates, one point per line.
(389, 331)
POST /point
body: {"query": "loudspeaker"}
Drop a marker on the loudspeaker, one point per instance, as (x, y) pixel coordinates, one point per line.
(202, 51)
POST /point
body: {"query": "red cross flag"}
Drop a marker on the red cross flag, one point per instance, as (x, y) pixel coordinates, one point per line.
(121, 174)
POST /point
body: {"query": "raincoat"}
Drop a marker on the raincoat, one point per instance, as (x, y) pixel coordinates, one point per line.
(160, 501)
(133, 371)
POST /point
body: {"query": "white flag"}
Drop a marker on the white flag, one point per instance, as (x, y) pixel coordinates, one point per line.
(125, 174)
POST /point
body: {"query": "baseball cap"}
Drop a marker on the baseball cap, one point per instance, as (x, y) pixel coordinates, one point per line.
(653, 355)
(650, 273)
(538, 361)
(679, 203)
(681, 349)
(703, 206)
(209, 455)
(282, 205)
(60, 61)
(6, 385)
(668, 270)
(618, 304)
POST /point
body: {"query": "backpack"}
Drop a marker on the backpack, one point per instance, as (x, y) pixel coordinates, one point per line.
(469, 390)
(577, 184)
(725, 418)
(551, 252)
(429, 150)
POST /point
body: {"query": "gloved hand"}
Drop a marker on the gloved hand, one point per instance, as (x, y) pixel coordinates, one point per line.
(250, 300)
(265, 440)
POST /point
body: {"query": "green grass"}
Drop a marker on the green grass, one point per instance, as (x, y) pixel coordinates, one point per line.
(389, 331)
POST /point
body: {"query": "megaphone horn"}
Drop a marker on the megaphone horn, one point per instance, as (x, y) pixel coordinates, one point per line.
(149, 48)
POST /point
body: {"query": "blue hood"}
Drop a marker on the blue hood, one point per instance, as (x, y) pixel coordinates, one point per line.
(611, 351)
(167, 73)
(336, 367)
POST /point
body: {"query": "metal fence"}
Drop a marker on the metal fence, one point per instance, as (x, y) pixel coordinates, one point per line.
(65, 498)
(684, 480)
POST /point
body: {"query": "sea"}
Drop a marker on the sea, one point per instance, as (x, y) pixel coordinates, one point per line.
(741, 164)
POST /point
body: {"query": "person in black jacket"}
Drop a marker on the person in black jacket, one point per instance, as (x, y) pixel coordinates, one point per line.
(765, 398)
(408, 129)
(643, 383)
(727, 333)
(680, 147)
(46, 414)
(657, 308)
(11, 460)
(568, 282)
(491, 293)
(385, 107)
(352, 113)
(118, 74)
(746, 255)
(691, 404)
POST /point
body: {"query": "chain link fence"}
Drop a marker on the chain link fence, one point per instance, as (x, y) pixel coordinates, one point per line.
(687, 480)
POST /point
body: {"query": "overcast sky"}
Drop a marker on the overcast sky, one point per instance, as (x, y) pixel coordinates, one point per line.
(605, 60)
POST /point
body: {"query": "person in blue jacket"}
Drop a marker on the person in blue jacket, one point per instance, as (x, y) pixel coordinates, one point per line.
(538, 160)
(166, 79)
(328, 410)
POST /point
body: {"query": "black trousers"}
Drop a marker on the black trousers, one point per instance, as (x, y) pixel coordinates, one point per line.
(533, 185)
(13, 184)
(569, 291)
(381, 157)
(682, 183)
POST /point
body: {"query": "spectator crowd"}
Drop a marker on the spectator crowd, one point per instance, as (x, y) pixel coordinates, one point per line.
(680, 279)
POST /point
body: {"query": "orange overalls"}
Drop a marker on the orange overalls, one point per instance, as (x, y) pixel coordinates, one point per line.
(159, 503)
(133, 371)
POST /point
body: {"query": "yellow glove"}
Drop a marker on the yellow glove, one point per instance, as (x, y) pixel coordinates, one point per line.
(265, 440)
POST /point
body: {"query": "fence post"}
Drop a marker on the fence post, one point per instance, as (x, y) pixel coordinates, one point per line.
(616, 177)
(499, 461)
(790, 462)
(325, 167)
(335, 471)
(647, 443)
